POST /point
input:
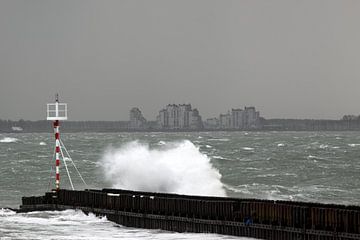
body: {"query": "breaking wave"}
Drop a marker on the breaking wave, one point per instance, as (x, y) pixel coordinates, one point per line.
(248, 148)
(354, 144)
(74, 224)
(176, 167)
(6, 212)
(8, 140)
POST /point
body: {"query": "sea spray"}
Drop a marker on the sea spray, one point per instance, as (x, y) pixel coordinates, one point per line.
(177, 168)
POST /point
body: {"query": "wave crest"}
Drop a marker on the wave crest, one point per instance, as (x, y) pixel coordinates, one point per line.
(8, 140)
(177, 168)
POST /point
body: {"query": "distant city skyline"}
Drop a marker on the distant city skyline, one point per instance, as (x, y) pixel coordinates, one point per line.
(288, 58)
(153, 116)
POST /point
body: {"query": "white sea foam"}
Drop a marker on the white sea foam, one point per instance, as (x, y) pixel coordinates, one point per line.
(8, 140)
(71, 224)
(267, 175)
(219, 139)
(248, 148)
(281, 145)
(179, 168)
(67, 217)
(354, 144)
(6, 212)
(42, 143)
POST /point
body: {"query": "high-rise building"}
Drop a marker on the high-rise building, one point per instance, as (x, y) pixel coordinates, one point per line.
(195, 119)
(184, 115)
(181, 116)
(137, 121)
(212, 123)
(225, 121)
(237, 118)
(247, 118)
(251, 118)
(163, 119)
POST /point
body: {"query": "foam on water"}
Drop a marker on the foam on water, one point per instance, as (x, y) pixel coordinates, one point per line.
(71, 224)
(178, 167)
(42, 143)
(219, 139)
(8, 140)
(6, 212)
(354, 144)
(248, 148)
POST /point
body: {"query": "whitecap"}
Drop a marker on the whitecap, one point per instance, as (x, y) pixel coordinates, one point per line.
(6, 212)
(219, 139)
(316, 157)
(239, 189)
(252, 168)
(42, 143)
(354, 144)
(267, 175)
(208, 146)
(9, 140)
(248, 148)
(291, 174)
(281, 145)
(323, 146)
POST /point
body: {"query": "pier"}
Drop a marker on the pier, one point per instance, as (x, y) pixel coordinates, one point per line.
(262, 219)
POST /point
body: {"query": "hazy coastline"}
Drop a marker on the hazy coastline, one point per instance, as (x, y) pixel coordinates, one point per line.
(10, 126)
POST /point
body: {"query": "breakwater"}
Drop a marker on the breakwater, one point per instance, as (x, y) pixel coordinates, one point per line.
(264, 219)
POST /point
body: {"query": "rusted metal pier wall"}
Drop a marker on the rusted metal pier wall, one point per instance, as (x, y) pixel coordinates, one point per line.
(264, 219)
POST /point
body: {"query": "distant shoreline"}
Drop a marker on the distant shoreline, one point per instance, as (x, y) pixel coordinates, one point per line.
(8, 126)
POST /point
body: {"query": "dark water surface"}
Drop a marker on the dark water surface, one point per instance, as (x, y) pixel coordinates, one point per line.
(299, 166)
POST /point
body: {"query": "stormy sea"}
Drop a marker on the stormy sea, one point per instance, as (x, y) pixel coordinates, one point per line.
(298, 166)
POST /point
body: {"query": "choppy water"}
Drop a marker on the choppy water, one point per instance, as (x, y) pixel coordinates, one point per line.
(301, 166)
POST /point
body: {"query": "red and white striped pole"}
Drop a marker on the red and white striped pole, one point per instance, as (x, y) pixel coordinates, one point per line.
(56, 112)
(57, 153)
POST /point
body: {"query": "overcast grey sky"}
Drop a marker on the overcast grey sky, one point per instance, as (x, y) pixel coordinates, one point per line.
(288, 58)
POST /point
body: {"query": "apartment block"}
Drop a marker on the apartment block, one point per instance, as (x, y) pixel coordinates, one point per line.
(179, 116)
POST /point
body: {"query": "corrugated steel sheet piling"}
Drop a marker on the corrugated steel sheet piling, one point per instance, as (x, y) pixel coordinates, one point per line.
(263, 219)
